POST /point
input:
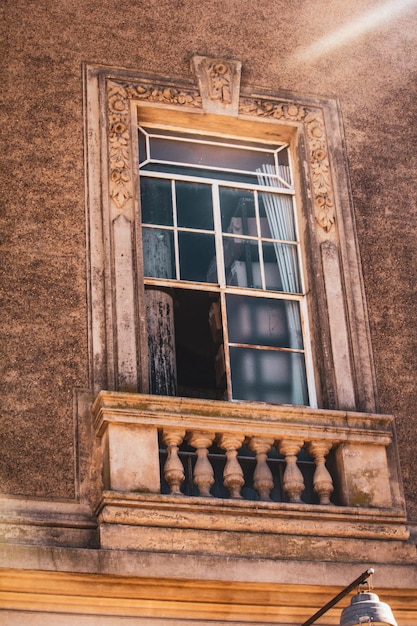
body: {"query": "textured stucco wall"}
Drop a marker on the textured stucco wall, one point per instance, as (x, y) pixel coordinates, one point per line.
(44, 327)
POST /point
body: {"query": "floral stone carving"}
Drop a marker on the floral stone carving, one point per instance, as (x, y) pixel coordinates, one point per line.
(316, 140)
(217, 88)
(118, 96)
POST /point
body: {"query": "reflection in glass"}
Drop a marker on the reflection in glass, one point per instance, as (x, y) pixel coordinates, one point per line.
(209, 154)
(197, 252)
(158, 253)
(273, 280)
(264, 322)
(194, 205)
(241, 262)
(280, 215)
(156, 201)
(266, 376)
(237, 209)
(285, 259)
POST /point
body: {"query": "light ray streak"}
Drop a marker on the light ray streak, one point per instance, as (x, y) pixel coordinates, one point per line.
(357, 27)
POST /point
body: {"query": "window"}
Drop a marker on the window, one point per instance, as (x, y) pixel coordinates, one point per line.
(240, 304)
(224, 286)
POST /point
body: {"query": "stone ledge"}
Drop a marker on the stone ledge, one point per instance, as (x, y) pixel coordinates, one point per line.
(47, 523)
(253, 546)
(251, 516)
(215, 568)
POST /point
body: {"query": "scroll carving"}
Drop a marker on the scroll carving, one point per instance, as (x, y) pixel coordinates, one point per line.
(317, 146)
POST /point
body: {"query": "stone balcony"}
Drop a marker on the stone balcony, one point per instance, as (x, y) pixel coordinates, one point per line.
(314, 483)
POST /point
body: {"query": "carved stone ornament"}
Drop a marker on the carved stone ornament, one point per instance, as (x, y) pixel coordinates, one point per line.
(316, 141)
(219, 93)
(219, 83)
(118, 96)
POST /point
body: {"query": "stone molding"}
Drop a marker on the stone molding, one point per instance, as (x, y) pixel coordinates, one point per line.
(119, 94)
(160, 588)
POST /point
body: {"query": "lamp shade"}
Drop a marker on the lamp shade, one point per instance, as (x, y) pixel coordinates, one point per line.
(366, 608)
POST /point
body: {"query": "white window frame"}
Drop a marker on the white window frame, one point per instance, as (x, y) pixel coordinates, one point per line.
(221, 287)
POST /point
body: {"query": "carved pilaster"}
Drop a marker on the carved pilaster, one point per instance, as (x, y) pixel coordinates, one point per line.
(120, 175)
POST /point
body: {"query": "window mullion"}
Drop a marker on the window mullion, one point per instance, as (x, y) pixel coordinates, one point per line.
(221, 276)
(175, 223)
(308, 359)
(260, 248)
(226, 345)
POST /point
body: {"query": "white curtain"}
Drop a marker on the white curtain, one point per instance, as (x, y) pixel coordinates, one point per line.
(280, 215)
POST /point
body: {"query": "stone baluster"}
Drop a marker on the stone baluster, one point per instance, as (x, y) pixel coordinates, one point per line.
(232, 475)
(262, 477)
(293, 481)
(173, 468)
(203, 471)
(322, 480)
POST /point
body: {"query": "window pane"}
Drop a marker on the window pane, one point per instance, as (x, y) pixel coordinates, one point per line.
(241, 261)
(251, 179)
(197, 257)
(211, 155)
(194, 205)
(237, 209)
(264, 376)
(156, 201)
(279, 213)
(197, 339)
(264, 322)
(281, 267)
(158, 253)
(273, 280)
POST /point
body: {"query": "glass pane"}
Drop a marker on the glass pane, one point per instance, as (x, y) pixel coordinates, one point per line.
(241, 262)
(273, 280)
(264, 376)
(284, 258)
(158, 253)
(279, 213)
(264, 322)
(197, 257)
(237, 209)
(142, 147)
(194, 205)
(251, 179)
(207, 154)
(156, 201)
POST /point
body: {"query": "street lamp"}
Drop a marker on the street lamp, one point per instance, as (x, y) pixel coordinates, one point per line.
(365, 608)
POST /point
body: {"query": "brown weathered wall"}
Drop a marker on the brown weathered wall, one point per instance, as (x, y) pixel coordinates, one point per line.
(44, 325)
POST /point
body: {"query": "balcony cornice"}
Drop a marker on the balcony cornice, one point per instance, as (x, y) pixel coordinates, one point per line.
(281, 421)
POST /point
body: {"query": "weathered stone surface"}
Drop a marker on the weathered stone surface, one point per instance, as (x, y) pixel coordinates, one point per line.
(44, 314)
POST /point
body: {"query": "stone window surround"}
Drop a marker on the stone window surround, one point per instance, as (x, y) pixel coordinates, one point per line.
(113, 101)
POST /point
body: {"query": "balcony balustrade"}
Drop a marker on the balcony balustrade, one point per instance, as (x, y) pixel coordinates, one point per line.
(196, 466)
